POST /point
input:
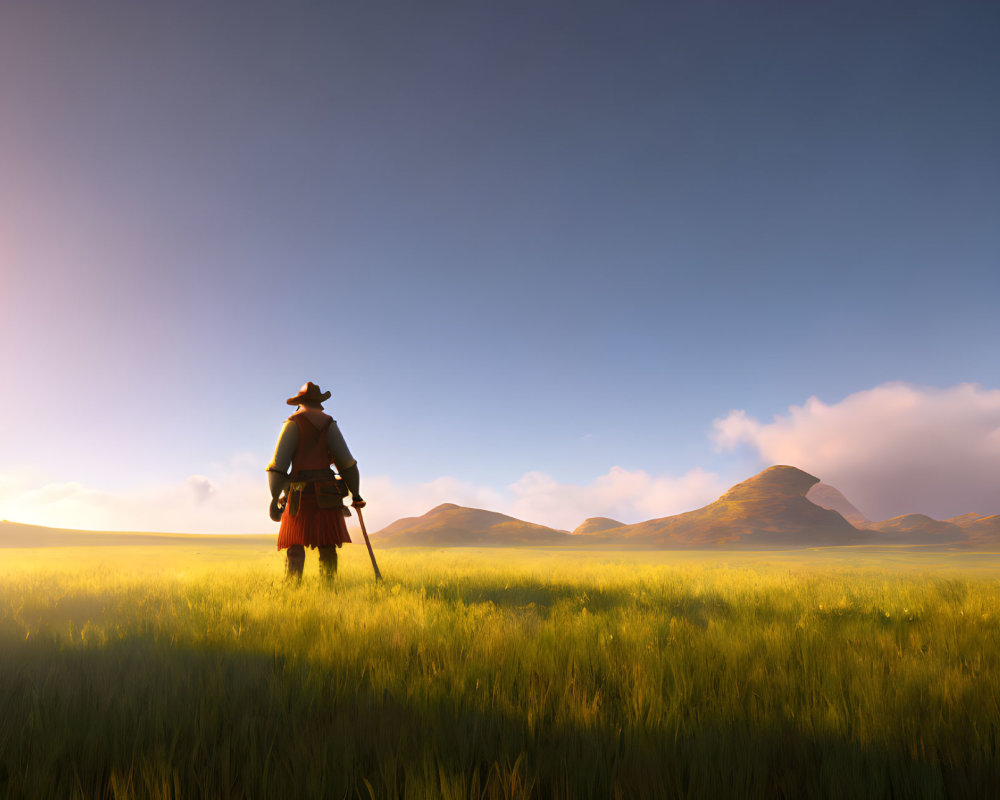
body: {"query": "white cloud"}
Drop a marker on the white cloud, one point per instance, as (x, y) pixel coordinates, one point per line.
(628, 496)
(389, 500)
(226, 501)
(202, 487)
(231, 500)
(891, 450)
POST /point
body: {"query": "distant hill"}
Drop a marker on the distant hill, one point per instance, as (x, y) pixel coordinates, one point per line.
(769, 509)
(597, 525)
(825, 496)
(964, 520)
(917, 529)
(984, 532)
(16, 534)
(449, 524)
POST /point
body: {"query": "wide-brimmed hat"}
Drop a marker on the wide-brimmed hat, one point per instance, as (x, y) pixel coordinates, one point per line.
(309, 393)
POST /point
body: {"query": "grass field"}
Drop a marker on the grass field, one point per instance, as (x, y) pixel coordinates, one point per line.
(163, 672)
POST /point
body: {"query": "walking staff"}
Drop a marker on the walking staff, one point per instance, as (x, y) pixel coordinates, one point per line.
(378, 574)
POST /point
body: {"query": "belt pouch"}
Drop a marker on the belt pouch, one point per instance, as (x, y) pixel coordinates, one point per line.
(329, 495)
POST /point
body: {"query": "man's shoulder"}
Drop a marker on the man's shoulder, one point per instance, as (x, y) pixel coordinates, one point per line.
(313, 416)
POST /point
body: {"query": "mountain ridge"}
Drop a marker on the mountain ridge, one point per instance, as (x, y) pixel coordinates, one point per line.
(449, 524)
(781, 506)
(826, 496)
(765, 510)
(596, 525)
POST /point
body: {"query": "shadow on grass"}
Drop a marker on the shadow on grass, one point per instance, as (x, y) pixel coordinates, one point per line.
(542, 599)
(530, 594)
(140, 718)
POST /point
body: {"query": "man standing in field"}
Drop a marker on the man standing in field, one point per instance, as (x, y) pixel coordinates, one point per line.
(312, 511)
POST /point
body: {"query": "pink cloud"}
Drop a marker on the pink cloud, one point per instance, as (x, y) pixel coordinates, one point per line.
(891, 450)
(628, 496)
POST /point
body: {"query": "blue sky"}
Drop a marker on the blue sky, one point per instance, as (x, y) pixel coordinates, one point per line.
(511, 238)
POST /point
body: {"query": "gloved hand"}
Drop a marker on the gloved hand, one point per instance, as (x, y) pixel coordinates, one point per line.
(358, 503)
(276, 509)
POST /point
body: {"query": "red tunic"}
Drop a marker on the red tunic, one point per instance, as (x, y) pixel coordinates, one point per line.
(311, 525)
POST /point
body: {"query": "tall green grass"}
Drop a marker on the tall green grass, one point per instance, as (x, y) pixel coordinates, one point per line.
(158, 672)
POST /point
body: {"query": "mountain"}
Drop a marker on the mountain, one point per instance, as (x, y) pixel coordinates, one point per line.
(917, 529)
(964, 520)
(769, 509)
(984, 532)
(970, 529)
(825, 496)
(452, 525)
(597, 525)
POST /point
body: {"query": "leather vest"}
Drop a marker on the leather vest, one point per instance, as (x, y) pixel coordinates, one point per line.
(311, 452)
(311, 465)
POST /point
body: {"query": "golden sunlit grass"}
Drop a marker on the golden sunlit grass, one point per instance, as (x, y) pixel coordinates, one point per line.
(161, 672)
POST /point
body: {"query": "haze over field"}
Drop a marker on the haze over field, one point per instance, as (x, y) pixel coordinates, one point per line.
(553, 261)
(782, 507)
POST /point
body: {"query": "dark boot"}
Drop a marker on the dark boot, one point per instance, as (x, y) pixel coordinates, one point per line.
(295, 561)
(328, 563)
